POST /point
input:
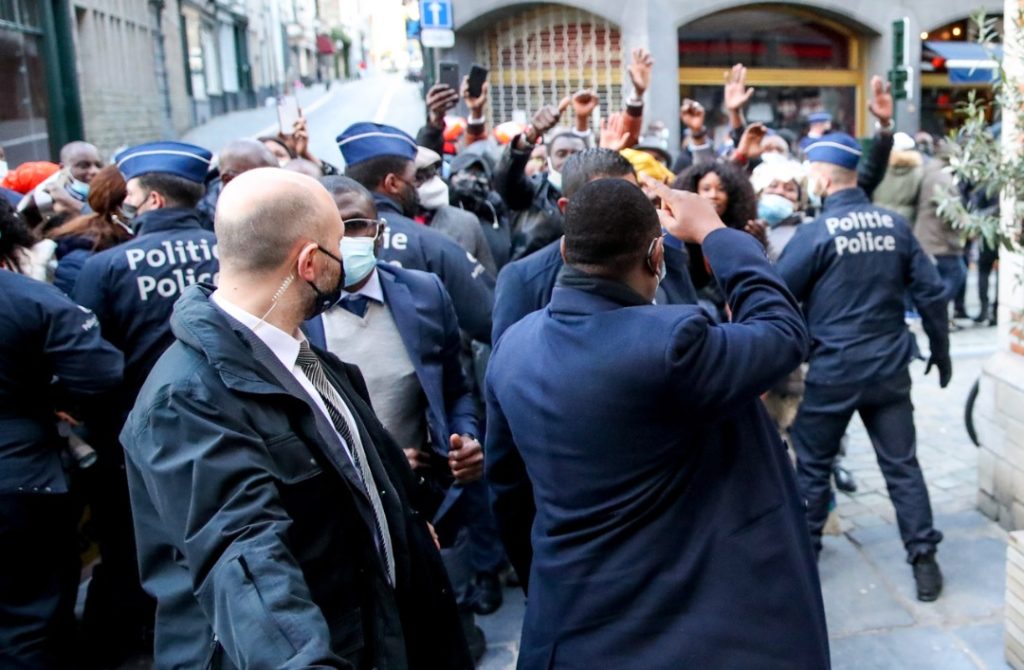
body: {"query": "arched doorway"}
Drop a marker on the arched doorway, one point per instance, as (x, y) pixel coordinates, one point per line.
(542, 54)
(799, 61)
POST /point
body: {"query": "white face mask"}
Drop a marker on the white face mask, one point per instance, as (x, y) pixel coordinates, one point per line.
(554, 176)
(433, 194)
(3, 169)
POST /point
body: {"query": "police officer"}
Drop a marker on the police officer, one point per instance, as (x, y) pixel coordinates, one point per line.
(851, 268)
(132, 289)
(51, 358)
(381, 158)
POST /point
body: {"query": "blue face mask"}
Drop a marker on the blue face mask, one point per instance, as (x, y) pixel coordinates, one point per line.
(358, 258)
(78, 188)
(774, 209)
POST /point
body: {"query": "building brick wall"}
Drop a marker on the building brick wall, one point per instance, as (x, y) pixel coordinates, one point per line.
(119, 72)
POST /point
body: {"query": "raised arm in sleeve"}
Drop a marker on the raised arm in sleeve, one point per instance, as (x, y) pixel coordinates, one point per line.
(717, 367)
(511, 181)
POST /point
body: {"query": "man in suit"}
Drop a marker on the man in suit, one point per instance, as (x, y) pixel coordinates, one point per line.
(276, 517)
(668, 529)
(382, 158)
(525, 285)
(398, 326)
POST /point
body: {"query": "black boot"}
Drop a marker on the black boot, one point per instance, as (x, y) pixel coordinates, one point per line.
(983, 316)
(474, 636)
(928, 577)
(487, 597)
(844, 479)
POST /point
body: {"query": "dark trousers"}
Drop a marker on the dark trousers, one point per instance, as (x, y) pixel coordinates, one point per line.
(953, 272)
(38, 581)
(987, 258)
(888, 415)
(487, 553)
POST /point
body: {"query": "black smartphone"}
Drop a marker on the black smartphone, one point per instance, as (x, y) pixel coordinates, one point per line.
(448, 74)
(477, 77)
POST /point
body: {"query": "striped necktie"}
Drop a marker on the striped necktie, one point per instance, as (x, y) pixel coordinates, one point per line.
(310, 364)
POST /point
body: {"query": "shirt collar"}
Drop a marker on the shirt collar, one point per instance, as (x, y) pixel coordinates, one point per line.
(845, 198)
(371, 290)
(284, 346)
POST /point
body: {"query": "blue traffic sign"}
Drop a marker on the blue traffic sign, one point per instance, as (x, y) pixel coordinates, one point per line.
(436, 14)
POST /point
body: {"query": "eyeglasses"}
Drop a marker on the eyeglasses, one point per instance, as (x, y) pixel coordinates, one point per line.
(364, 227)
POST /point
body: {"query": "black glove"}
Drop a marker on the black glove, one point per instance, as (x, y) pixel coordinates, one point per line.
(945, 366)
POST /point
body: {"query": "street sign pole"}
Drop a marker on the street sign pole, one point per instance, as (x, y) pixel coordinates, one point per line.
(901, 73)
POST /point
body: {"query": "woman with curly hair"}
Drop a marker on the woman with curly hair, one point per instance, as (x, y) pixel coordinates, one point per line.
(727, 187)
(88, 234)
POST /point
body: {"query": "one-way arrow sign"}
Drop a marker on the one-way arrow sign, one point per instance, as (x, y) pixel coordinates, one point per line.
(436, 14)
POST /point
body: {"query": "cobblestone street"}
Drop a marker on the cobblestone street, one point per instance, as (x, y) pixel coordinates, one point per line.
(874, 619)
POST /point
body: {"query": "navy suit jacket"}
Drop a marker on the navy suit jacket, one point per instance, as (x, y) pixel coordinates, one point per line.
(427, 324)
(525, 285)
(668, 531)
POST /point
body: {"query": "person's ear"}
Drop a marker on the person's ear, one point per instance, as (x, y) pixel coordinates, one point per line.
(392, 184)
(158, 199)
(561, 247)
(306, 261)
(563, 203)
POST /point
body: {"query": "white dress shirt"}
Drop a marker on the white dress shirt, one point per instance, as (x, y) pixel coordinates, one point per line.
(286, 349)
(372, 289)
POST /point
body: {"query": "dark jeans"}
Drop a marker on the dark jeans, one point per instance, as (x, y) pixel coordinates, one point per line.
(987, 258)
(888, 415)
(953, 272)
(38, 580)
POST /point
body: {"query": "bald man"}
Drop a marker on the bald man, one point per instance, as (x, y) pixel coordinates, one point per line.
(275, 516)
(235, 158)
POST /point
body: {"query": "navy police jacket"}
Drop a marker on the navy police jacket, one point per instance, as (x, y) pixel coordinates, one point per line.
(410, 245)
(669, 532)
(132, 287)
(525, 285)
(51, 357)
(254, 531)
(851, 268)
(429, 330)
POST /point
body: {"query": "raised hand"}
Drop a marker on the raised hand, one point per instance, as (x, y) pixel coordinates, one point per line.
(640, 71)
(687, 216)
(440, 99)
(476, 105)
(881, 104)
(546, 118)
(614, 132)
(737, 95)
(584, 102)
(691, 113)
(750, 143)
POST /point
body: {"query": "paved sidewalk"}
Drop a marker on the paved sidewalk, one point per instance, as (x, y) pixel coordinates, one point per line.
(873, 617)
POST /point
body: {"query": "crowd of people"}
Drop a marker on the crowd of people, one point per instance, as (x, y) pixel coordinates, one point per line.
(319, 417)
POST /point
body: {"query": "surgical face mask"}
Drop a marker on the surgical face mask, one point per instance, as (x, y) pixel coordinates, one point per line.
(129, 210)
(79, 189)
(433, 195)
(815, 190)
(774, 208)
(554, 176)
(324, 300)
(662, 270)
(358, 258)
(3, 169)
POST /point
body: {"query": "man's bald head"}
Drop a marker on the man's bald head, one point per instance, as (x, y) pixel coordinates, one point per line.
(263, 213)
(81, 159)
(241, 156)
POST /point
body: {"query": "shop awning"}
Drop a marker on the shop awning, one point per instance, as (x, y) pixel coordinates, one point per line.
(967, 62)
(324, 45)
